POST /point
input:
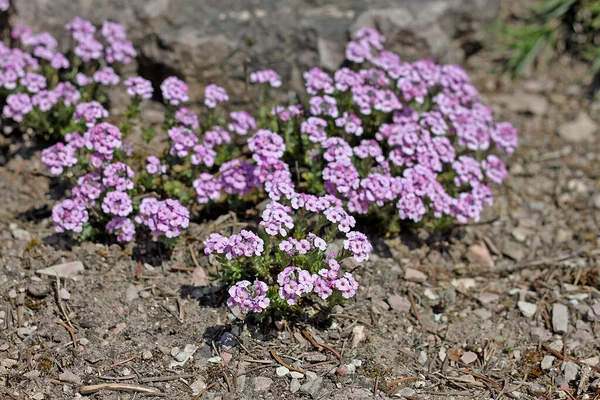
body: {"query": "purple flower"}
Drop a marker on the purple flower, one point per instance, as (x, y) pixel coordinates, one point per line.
(294, 282)
(317, 80)
(314, 127)
(324, 105)
(187, 118)
(68, 93)
(118, 175)
(213, 95)
(138, 86)
(4, 5)
(358, 244)
(89, 113)
(166, 217)
(59, 61)
(103, 138)
(216, 137)
(33, 82)
(80, 28)
(17, 106)
(183, 141)
(123, 228)
(58, 157)
(275, 217)
(504, 136)
(89, 188)
(242, 122)
(265, 143)
(243, 244)
(153, 166)
(69, 215)
(44, 100)
(266, 76)
(237, 177)
(117, 203)
(89, 49)
(174, 90)
(203, 155)
(351, 124)
(113, 31)
(106, 76)
(357, 52)
(207, 188)
(494, 168)
(248, 296)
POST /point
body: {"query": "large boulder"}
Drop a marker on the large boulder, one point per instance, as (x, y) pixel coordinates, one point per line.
(209, 41)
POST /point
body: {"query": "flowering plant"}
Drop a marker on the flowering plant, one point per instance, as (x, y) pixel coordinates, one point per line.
(41, 87)
(282, 267)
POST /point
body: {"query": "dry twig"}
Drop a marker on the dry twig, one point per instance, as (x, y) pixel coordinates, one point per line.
(280, 361)
(125, 387)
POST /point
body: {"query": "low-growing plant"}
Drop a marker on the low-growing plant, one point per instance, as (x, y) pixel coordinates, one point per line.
(382, 137)
(42, 88)
(290, 261)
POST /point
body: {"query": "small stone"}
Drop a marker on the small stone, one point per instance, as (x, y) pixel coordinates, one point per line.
(20, 234)
(64, 294)
(342, 370)
(513, 250)
(488, 297)
(463, 284)
(430, 294)
(215, 360)
(294, 385)
(479, 254)
(414, 275)
(527, 309)
(483, 313)
(524, 102)
(422, 357)
(560, 318)
(197, 385)
(38, 289)
(406, 391)
(68, 270)
(359, 334)
(540, 334)
(26, 331)
(68, 376)
(262, 383)
(399, 303)
(227, 339)
(146, 355)
(296, 375)
(83, 341)
(581, 129)
(312, 388)
(547, 362)
(311, 375)
(571, 369)
(592, 361)
(132, 293)
(38, 396)
(282, 371)
(469, 357)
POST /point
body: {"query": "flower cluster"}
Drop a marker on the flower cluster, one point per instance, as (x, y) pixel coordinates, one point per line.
(296, 264)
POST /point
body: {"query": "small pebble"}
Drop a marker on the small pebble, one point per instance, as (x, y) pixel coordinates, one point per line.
(527, 309)
(282, 371)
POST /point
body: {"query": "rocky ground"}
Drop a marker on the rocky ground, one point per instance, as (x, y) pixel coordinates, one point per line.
(505, 308)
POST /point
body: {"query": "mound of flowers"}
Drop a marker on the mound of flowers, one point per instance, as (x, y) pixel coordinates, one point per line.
(402, 141)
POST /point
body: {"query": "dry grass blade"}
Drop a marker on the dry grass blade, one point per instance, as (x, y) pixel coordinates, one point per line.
(124, 387)
(283, 363)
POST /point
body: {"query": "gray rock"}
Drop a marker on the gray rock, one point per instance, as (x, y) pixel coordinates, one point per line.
(581, 129)
(399, 303)
(406, 391)
(313, 387)
(547, 362)
(527, 309)
(282, 371)
(524, 103)
(38, 289)
(414, 275)
(560, 318)
(262, 383)
(207, 41)
(68, 376)
(294, 385)
(571, 369)
(469, 357)
(68, 270)
(483, 313)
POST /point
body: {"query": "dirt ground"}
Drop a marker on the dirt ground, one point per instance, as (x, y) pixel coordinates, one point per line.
(505, 308)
